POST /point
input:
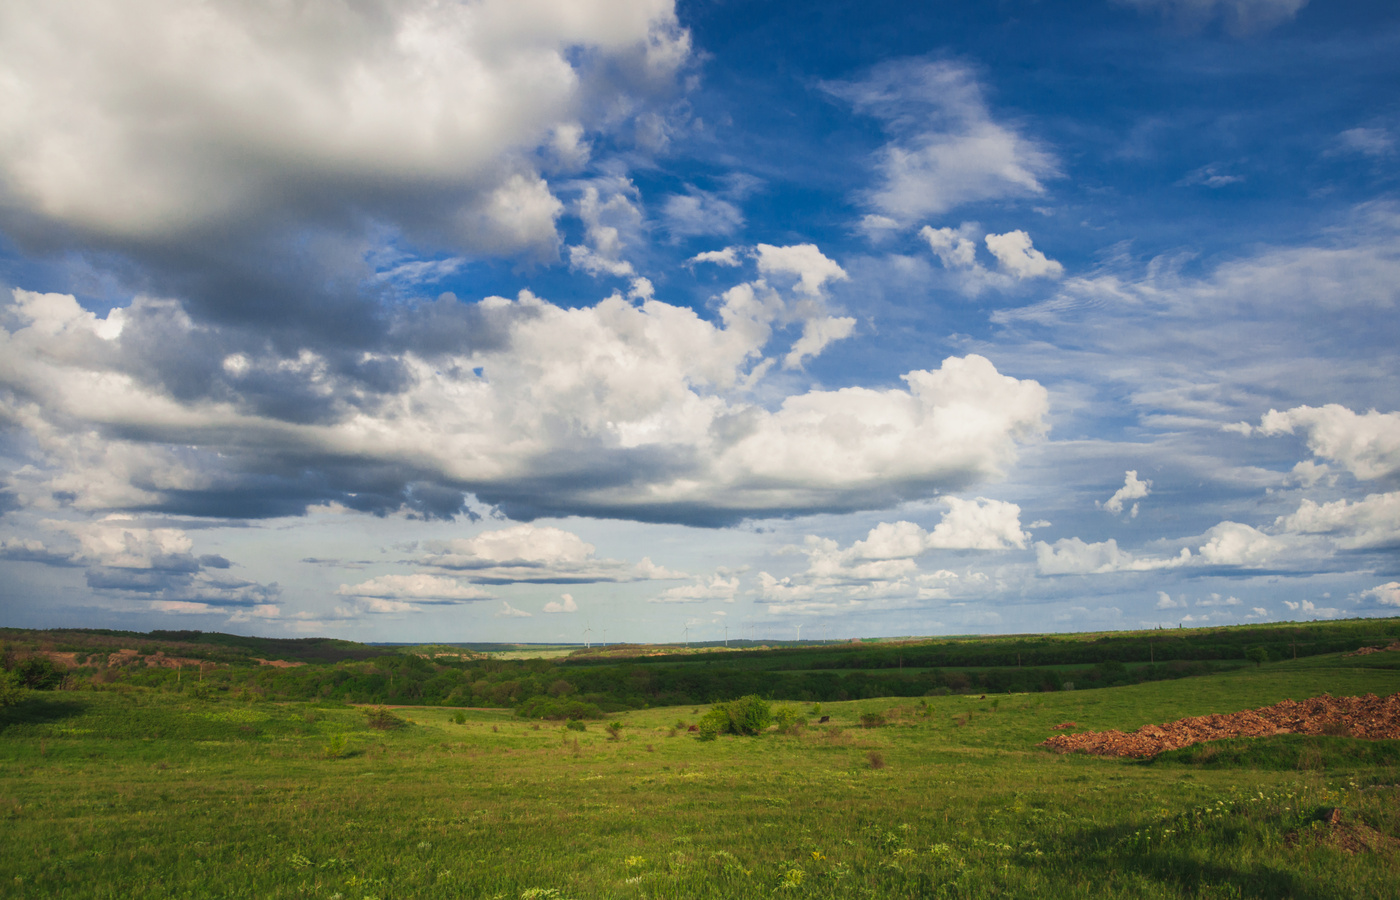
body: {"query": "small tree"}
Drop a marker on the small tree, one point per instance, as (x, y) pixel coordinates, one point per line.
(11, 689)
(1257, 655)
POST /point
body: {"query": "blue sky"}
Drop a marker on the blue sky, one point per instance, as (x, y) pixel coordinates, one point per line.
(410, 320)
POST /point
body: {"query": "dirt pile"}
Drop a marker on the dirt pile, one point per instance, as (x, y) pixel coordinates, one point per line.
(1365, 651)
(1370, 717)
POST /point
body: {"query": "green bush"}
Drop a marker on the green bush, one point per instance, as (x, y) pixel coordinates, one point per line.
(557, 709)
(575, 725)
(383, 719)
(871, 720)
(11, 689)
(748, 715)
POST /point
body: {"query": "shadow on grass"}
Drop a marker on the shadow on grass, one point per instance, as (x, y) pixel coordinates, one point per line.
(1107, 849)
(41, 709)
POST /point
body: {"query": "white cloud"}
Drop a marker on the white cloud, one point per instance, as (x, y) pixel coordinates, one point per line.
(1307, 607)
(957, 251)
(1072, 556)
(619, 409)
(1132, 489)
(716, 587)
(946, 148)
(699, 212)
(1369, 523)
(417, 588)
(1376, 142)
(812, 268)
(1165, 601)
(611, 225)
(1387, 594)
(532, 553)
(164, 116)
(1240, 16)
(729, 256)
(1236, 544)
(1016, 255)
(568, 604)
(1367, 445)
(510, 612)
(1217, 600)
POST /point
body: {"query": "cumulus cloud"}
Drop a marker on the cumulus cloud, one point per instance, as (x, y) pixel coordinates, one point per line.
(1367, 524)
(1072, 556)
(165, 116)
(1240, 17)
(510, 612)
(717, 587)
(1165, 601)
(537, 554)
(1237, 544)
(884, 563)
(1014, 252)
(946, 149)
(565, 604)
(638, 410)
(1132, 489)
(1307, 607)
(729, 256)
(417, 588)
(122, 557)
(1387, 594)
(956, 249)
(1366, 445)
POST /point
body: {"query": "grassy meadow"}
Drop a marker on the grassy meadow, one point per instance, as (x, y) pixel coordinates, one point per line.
(138, 793)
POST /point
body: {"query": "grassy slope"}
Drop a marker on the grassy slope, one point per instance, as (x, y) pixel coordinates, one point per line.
(150, 795)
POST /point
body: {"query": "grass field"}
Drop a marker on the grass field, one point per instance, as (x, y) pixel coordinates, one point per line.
(148, 794)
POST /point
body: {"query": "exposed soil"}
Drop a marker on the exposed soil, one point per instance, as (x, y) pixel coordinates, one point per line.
(1371, 717)
(278, 663)
(1368, 650)
(1335, 830)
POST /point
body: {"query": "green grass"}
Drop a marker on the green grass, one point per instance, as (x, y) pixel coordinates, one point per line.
(143, 794)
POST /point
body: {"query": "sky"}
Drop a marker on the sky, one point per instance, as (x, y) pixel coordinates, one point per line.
(643, 320)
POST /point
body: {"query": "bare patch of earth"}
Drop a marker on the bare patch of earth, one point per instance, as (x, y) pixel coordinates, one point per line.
(1371, 717)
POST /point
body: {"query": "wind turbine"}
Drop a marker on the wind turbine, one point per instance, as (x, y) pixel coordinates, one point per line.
(586, 632)
(687, 634)
(726, 634)
(799, 634)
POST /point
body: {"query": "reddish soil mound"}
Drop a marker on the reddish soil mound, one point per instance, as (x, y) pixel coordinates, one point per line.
(1395, 645)
(278, 663)
(1370, 717)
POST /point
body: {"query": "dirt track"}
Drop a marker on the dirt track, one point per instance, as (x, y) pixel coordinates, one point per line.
(1371, 717)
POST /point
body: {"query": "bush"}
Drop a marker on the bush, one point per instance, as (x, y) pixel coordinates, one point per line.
(11, 689)
(383, 719)
(459, 717)
(39, 673)
(871, 720)
(575, 725)
(614, 730)
(557, 709)
(748, 715)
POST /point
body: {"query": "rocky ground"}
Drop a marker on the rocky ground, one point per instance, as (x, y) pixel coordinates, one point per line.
(1370, 717)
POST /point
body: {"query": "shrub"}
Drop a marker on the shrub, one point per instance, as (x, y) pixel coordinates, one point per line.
(557, 709)
(11, 689)
(712, 724)
(876, 759)
(748, 715)
(575, 725)
(383, 719)
(871, 720)
(459, 717)
(335, 748)
(614, 730)
(39, 673)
